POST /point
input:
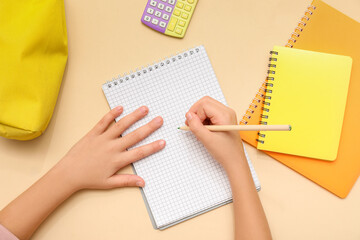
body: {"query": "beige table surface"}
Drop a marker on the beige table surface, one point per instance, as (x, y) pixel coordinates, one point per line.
(106, 38)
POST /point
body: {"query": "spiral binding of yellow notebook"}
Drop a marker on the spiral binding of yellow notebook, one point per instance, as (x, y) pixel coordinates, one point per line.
(307, 90)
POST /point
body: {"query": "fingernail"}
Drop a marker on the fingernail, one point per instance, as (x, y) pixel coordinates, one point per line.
(158, 120)
(143, 109)
(140, 184)
(119, 108)
(162, 143)
(188, 116)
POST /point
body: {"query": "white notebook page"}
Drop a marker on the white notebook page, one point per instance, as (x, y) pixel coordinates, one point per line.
(183, 179)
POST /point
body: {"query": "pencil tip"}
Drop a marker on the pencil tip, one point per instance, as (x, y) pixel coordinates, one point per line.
(178, 127)
(289, 127)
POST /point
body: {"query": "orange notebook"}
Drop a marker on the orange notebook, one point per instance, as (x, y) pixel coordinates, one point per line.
(324, 29)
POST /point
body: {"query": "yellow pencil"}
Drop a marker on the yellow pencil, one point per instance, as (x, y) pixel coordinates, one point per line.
(222, 128)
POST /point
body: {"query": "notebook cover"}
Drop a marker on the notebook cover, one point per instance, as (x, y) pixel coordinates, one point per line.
(308, 91)
(327, 30)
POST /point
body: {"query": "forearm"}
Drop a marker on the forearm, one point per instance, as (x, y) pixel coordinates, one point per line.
(24, 215)
(250, 219)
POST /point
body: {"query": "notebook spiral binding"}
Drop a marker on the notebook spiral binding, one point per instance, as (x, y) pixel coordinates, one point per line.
(152, 67)
(269, 84)
(302, 23)
(261, 99)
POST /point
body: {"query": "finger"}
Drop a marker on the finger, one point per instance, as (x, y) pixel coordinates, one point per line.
(141, 133)
(127, 121)
(204, 102)
(209, 111)
(207, 107)
(200, 112)
(217, 112)
(125, 180)
(140, 153)
(195, 109)
(198, 109)
(196, 126)
(104, 123)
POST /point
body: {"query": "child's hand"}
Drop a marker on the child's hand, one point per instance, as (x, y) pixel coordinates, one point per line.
(225, 147)
(94, 161)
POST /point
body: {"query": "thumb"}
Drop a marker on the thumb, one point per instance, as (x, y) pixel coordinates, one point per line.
(197, 127)
(125, 180)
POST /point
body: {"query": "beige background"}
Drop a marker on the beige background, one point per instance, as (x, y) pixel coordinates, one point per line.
(106, 38)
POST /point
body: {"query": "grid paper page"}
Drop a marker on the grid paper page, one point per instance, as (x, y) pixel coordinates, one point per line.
(183, 179)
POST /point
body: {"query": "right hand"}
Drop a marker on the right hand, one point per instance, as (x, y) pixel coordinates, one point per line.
(225, 147)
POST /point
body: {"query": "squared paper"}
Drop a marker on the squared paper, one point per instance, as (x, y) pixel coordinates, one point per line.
(182, 180)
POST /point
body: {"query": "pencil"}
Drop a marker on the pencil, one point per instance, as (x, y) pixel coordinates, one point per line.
(222, 128)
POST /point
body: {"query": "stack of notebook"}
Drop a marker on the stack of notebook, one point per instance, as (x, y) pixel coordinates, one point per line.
(307, 90)
(312, 85)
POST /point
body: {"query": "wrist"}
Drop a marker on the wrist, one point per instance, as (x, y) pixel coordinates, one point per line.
(235, 160)
(236, 165)
(62, 178)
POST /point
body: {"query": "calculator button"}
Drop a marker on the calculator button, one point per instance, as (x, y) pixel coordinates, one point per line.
(180, 5)
(165, 16)
(168, 9)
(157, 13)
(181, 23)
(154, 21)
(164, 0)
(190, 1)
(177, 12)
(184, 15)
(172, 24)
(187, 8)
(178, 30)
(161, 6)
(153, 3)
(150, 10)
(147, 18)
(162, 24)
(172, 2)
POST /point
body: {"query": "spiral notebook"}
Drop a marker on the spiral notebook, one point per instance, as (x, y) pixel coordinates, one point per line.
(182, 180)
(307, 90)
(324, 29)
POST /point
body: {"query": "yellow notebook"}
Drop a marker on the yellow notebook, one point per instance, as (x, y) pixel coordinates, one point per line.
(307, 90)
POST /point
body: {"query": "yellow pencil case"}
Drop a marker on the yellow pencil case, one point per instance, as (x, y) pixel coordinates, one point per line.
(33, 55)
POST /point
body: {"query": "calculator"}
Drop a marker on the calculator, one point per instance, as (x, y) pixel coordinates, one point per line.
(170, 17)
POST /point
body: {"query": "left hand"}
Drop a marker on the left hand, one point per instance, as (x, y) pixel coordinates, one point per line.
(94, 161)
